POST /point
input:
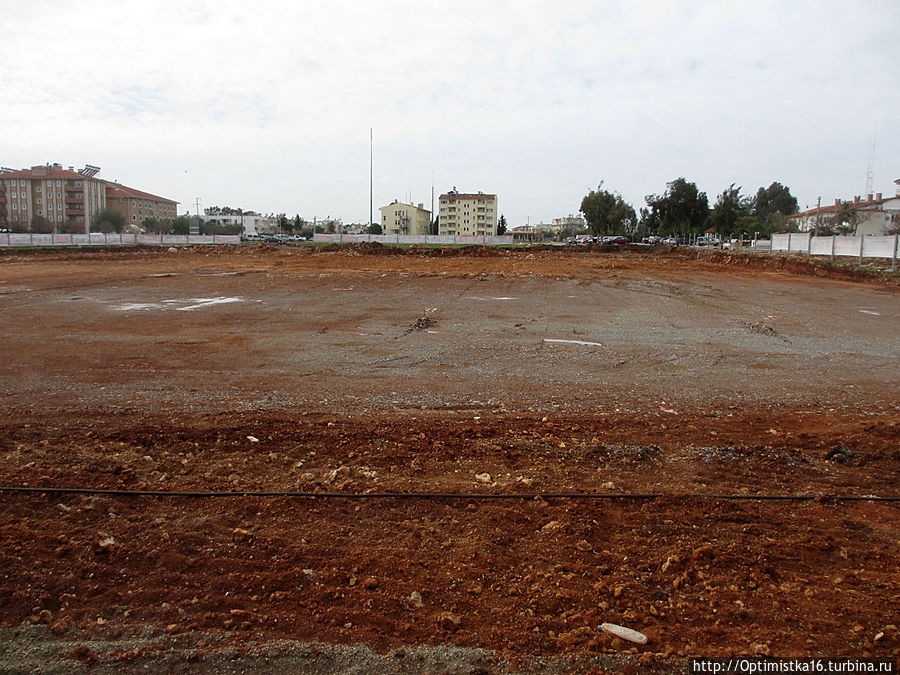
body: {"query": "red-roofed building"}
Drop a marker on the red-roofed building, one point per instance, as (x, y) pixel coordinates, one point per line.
(468, 214)
(136, 206)
(50, 198)
(874, 215)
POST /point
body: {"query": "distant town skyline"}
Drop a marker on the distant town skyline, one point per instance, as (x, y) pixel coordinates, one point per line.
(270, 107)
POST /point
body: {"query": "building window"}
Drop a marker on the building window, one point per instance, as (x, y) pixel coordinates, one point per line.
(15, 207)
(22, 195)
(22, 182)
(58, 183)
(40, 213)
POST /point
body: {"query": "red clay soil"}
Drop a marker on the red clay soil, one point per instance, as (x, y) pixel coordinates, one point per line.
(133, 404)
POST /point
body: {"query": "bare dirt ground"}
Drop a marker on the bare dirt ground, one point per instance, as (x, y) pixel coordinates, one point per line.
(365, 370)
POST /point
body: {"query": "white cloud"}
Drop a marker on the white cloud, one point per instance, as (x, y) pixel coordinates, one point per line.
(269, 105)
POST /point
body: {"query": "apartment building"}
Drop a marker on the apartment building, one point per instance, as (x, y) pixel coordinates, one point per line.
(50, 197)
(468, 214)
(400, 218)
(136, 205)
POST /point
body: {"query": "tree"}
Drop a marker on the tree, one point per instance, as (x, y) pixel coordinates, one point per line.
(682, 208)
(70, 227)
(181, 225)
(108, 220)
(843, 221)
(501, 225)
(607, 213)
(374, 228)
(729, 209)
(41, 224)
(775, 199)
(649, 221)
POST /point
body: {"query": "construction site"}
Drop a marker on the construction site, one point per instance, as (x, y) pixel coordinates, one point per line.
(364, 458)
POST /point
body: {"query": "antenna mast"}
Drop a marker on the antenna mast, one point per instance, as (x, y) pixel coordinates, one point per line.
(870, 173)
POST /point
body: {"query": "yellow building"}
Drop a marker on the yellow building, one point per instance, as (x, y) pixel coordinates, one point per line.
(400, 218)
(136, 205)
(468, 214)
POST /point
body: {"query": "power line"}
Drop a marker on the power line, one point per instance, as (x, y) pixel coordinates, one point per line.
(436, 495)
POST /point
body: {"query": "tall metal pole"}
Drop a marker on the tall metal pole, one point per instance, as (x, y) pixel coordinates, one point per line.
(370, 175)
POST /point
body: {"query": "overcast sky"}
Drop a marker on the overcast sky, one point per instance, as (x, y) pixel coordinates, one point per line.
(267, 105)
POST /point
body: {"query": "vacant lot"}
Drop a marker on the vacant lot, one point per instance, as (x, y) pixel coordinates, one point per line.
(361, 370)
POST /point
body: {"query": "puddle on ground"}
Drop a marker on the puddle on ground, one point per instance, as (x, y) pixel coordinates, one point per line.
(183, 305)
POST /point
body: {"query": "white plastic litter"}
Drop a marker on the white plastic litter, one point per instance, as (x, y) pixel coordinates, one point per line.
(624, 633)
(575, 342)
(253, 439)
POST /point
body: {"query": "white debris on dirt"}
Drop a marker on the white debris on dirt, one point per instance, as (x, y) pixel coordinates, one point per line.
(624, 633)
(574, 342)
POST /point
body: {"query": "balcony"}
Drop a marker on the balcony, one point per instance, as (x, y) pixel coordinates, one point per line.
(74, 212)
(74, 188)
(75, 198)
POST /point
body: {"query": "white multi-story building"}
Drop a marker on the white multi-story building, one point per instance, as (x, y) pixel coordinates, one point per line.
(576, 222)
(468, 214)
(251, 223)
(874, 215)
(400, 218)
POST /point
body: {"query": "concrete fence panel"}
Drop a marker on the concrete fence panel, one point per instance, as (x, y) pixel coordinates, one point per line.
(878, 247)
(443, 240)
(820, 246)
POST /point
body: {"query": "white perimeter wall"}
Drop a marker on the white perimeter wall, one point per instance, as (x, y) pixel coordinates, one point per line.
(498, 240)
(866, 247)
(100, 239)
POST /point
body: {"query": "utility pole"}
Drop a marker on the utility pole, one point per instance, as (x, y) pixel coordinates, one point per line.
(371, 174)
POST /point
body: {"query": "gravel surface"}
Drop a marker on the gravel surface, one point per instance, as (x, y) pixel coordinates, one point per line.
(368, 370)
